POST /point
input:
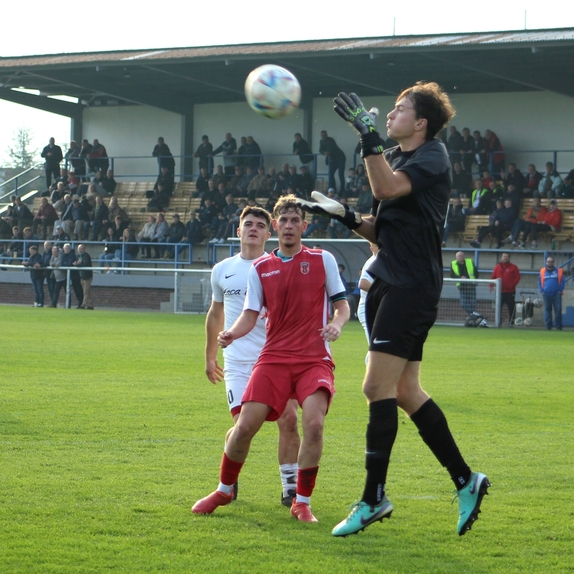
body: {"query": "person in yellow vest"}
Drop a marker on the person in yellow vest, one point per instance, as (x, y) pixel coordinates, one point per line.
(465, 268)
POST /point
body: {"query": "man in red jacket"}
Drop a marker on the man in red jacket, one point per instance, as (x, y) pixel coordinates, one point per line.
(510, 276)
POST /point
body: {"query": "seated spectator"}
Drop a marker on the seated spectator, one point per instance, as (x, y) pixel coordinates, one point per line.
(293, 179)
(129, 250)
(455, 219)
(163, 190)
(497, 192)
(100, 218)
(114, 210)
(461, 181)
(243, 182)
(233, 183)
(219, 176)
(45, 216)
(111, 244)
(15, 250)
(160, 234)
(273, 182)
(486, 178)
(221, 224)
(109, 183)
(60, 237)
(306, 182)
(76, 225)
(201, 183)
(336, 229)
(193, 234)
(480, 199)
(258, 185)
(351, 183)
(513, 177)
(65, 210)
(273, 197)
(566, 190)
(549, 183)
(365, 199)
(207, 213)
(175, 234)
(21, 214)
(552, 222)
(501, 221)
(145, 236)
(535, 214)
(98, 183)
(531, 181)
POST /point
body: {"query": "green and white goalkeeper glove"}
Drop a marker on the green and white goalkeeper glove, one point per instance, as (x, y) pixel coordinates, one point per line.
(330, 208)
(352, 110)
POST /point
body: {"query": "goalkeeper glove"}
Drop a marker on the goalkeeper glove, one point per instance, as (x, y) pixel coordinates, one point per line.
(331, 208)
(352, 110)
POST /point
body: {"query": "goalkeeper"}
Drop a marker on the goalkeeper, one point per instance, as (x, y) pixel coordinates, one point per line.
(411, 186)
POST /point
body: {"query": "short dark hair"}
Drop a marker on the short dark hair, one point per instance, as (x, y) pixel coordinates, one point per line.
(256, 212)
(432, 104)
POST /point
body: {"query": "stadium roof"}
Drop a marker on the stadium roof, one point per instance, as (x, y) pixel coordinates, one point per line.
(175, 79)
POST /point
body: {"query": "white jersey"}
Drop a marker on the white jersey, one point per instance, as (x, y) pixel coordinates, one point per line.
(361, 307)
(229, 285)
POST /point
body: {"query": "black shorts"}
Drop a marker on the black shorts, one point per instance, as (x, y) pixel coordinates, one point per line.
(399, 319)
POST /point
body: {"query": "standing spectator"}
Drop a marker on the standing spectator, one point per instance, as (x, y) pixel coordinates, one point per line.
(479, 150)
(163, 154)
(34, 264)
(228, 148)
(98, 158)
(46, 256)
(302, 149)
(467, 151)
(73, 161)
(84, 155)
(84, 261)
(509, 275)
(454, 144)
(335, 160)
(495, 152)
(52, 155)
(463, 267)
(58, 275)
(46, 215)
(68, 260)
(205, 154)
(461, 181)
(254, 154)
(551, 285)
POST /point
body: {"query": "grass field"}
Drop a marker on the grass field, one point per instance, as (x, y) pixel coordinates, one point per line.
(110, 432)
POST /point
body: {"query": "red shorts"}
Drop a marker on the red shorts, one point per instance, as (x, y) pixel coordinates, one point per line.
(275, 380)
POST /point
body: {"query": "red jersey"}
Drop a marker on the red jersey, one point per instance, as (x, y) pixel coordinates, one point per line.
(509, 274)
(296, 293)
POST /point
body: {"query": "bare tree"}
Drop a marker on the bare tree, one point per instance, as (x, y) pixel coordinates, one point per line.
(21, 155)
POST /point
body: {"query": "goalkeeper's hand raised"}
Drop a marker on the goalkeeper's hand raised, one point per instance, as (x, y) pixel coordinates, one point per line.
(330, 208)
(352, 110)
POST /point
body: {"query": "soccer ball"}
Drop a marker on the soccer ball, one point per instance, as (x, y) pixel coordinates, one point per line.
(537, 302)
(272, 91)
(518, 321)
(528, 322)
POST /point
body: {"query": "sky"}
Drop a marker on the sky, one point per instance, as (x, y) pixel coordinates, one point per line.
(30, 29)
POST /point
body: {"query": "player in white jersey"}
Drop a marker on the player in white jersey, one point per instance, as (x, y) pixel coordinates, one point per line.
(365, 282)
(296, 286)
(229, 285)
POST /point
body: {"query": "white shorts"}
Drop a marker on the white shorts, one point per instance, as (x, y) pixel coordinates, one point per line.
(236, 377)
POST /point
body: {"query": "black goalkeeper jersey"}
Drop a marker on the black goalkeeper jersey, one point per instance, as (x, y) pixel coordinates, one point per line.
(409, 228)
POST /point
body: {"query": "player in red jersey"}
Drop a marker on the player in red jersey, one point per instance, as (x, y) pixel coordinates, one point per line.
(296, 285)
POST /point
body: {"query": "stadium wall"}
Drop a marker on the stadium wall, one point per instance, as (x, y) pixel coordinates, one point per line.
(523, 121)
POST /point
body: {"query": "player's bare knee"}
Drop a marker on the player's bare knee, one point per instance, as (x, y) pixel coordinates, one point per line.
(313, 431)
(288, 422)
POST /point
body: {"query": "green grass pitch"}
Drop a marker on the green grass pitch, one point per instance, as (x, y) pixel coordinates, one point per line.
(110, 432)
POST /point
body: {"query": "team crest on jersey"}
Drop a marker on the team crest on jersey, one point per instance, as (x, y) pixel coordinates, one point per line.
(305, 267)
